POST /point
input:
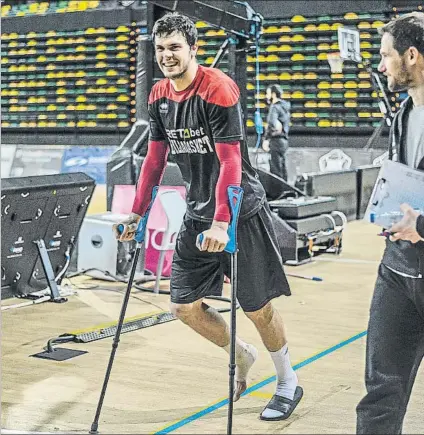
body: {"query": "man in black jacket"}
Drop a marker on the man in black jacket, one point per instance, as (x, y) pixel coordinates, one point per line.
(395, 341)
(277, 131)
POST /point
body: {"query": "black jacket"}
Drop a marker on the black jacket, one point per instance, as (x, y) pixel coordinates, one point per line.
(403, 256)
(279, 111)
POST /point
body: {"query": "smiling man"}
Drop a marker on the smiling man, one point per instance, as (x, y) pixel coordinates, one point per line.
(195, 115)
(395, 339)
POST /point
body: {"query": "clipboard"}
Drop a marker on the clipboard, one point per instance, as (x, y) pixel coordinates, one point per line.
(396, 184)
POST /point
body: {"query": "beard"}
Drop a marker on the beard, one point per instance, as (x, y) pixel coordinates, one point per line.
(401, 81)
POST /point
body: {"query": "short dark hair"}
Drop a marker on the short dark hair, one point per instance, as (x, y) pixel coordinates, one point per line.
(276, 89)
(175, 22)
(407, 31)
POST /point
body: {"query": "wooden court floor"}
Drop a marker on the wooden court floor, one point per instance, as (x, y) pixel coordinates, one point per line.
(167, 379)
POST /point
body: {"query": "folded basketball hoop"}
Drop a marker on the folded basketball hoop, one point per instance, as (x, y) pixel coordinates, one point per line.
(336, 62)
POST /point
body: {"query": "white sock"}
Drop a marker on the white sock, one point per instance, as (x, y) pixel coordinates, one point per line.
(286, 376)
(245, 357)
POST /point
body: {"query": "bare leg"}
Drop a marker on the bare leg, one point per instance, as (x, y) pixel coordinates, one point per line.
(270, 326)
(207, 322)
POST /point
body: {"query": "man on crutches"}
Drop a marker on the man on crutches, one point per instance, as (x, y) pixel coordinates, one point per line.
(195, 114)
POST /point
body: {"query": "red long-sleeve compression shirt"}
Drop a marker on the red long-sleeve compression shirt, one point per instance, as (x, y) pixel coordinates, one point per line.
(230, 174)
(150, 175)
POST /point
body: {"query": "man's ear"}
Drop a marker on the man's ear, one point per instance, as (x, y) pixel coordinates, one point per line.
(412, 55)
(193, 49)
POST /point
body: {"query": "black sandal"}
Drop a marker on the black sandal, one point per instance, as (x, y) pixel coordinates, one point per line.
(283, 405)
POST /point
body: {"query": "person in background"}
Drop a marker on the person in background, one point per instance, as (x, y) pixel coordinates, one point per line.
(395, 339)
(276, 139)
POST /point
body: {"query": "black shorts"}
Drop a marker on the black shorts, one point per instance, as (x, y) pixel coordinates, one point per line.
(261, 277)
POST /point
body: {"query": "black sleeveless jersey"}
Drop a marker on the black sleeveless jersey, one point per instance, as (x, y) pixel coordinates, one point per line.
(191, 122)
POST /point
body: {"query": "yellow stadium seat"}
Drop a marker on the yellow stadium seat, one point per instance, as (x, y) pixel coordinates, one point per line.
(323, 46)
(351, 94)
(364, 25)
(298, 94)
(272, 58)
(310, 28)
(201, 24)
(298, 76)
(350, 84)
(324, 94)
(322, 56)
(80, 83)
(297, 115)
(324, 27)
(285, 38)
(324, 104)
(365, 35)
(271, 29)
(311, 115)
(297, 57)
(325, 123)
(336, 85)
(335, 26)
(323, 85)
(351, 16)
(310, 104)
(351, 104)
(123, 124)
(364, 85)
(364, 114)
(377, 24)
(285, 76)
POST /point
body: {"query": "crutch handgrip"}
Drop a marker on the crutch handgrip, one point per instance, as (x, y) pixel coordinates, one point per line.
(140, 232)
(235, 196)
(140, 228)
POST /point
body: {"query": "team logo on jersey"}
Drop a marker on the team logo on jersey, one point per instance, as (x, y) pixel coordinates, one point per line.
(163, 108)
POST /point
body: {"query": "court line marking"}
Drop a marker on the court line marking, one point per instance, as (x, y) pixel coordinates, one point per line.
(222, 402)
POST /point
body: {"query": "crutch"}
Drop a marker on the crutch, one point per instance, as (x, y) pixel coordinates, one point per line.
(139, 238)
(235, 196)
